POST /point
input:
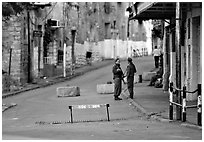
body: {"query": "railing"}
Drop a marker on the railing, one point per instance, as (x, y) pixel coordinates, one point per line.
(47, 60)
(174, 90)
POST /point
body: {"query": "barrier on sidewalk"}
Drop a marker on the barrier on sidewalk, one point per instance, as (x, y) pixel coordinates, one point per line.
(174, 90)
(105, 88)
(89, 106)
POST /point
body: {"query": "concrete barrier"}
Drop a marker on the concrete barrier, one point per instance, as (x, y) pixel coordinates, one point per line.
(136, 79)
(105, 88)
(146, 76)
(71, 91)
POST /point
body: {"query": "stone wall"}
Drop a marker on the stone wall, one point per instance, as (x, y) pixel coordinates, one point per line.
(11, 38)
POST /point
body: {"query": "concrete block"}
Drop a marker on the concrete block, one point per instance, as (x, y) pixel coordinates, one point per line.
(146, 76)
(136, 79)
(105, 88)
(71, 91)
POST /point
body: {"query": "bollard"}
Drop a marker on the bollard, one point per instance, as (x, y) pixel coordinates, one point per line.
(107, 105)
(140, 78)
(199, 106)
(70, 107)
(171, 100)
(184, 104)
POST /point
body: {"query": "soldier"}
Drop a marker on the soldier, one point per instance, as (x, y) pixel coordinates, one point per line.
(118, 77)
(130, 71)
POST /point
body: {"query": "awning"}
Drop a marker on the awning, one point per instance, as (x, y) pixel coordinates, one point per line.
(154, 10)
(160, 10)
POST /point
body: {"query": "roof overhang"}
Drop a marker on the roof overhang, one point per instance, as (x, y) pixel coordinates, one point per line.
(160, 10)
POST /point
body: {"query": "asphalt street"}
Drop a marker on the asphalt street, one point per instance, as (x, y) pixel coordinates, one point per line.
(38, 110)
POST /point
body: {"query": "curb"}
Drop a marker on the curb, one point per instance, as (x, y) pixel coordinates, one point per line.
(141, 109)
(8, 107)
(59, 80)
(191, 126)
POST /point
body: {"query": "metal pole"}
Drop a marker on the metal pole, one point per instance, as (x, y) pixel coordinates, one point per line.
(64, 61)
(178, 61)
(70, 108)
(170, 101)
(199, 106)
(9, 72)
(184, 104)
(107, 105)
(73, 56)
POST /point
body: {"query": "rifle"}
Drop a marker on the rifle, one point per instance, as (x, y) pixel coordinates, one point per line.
(123, 76)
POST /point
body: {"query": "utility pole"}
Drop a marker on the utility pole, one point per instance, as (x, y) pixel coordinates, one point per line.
(178, 60)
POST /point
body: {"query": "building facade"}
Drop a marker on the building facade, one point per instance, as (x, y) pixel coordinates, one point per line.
(38, 35)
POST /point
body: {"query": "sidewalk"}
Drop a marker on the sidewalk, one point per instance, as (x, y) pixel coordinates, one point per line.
(154, 103)
(40, 83)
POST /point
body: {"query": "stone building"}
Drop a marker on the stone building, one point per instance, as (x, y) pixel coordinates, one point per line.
(101, 28)
(22, 47)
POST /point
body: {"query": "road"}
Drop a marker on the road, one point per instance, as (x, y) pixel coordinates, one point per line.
(126, 123)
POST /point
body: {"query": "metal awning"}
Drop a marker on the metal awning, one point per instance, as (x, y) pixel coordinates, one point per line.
(160, 10)
(154, 10)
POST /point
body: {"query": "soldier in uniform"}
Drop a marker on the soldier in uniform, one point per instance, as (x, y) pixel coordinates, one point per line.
(118, 77)
(130, 71)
